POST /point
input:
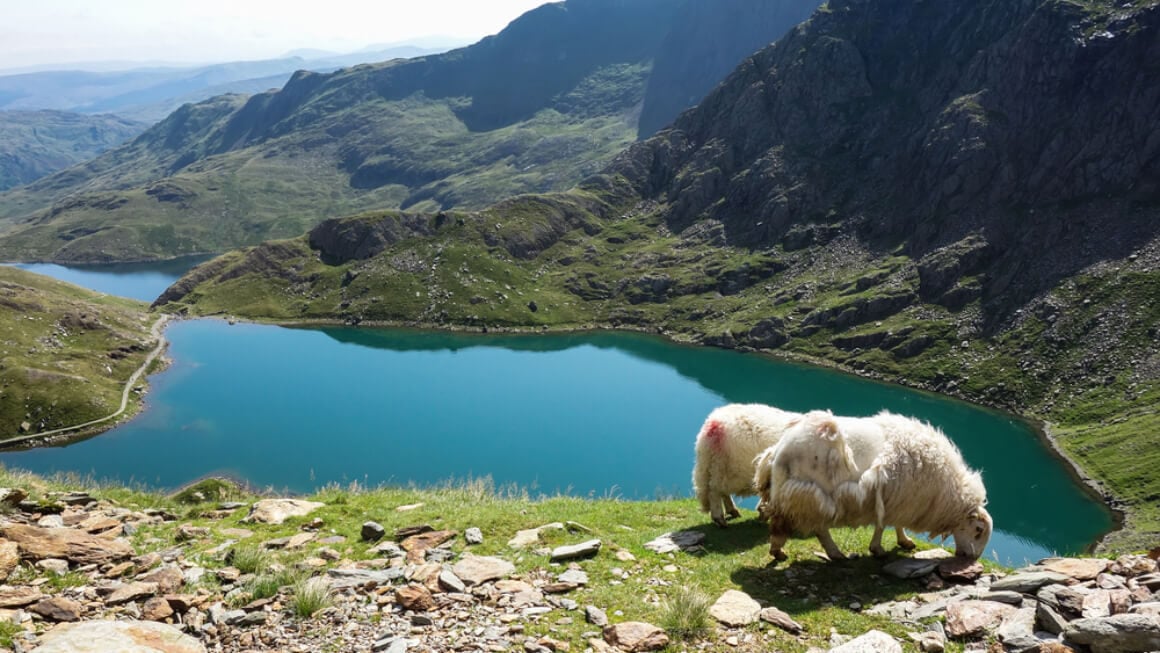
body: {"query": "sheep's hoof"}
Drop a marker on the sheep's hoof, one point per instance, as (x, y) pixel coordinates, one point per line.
(734, 514)
(906, 545)
(779, 555)
(836, 555)
(720, 521)
(878, 552)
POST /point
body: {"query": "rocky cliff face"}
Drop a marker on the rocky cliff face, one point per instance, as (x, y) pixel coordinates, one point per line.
(706, 42)
(1024, 135)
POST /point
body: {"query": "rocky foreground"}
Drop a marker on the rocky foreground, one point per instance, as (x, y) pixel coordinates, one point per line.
(75, 579)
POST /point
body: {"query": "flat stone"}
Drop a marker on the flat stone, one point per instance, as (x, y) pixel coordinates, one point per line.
(9, 559)
(58, 608)
(735, 609)
(450, 582)
(780, 619)
(60, 567)
(531, 536)
(933, 554)
(409, 507)
(299, 540)
(1018, 629)
(1133, 565)
(169, 579)
(574, 551)
(388, 549)
(11, 497)
(65, 543)
(874, 641)
(19, 596)
(1077, 568)
(119, 636)
(181, 603)
(676, 541)
(910, 567)
(1010, 598)
(960, 570)
(1151, 608)
(340, 578)
(416, 546)
(475, 570)
(972, 618)
(156, 609)
(131, 592)
(595, 616)
(391, 644)
(473, 536)
(1121, 633)
(635, 636)
(276, 511)
(1028, 582)
(1048, 619)
(930, 641)
(574, 576)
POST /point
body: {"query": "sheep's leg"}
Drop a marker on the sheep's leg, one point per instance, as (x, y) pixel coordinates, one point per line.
(717, 509)
(731, 508)
(779, 532)
(876, 542)
(828, 544)
(904, 542)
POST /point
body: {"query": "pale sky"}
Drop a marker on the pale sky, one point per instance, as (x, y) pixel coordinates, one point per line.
(35, 32)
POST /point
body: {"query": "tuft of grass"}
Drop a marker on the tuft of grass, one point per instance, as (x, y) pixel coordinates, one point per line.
(310, 596)
(685, 614)
(249, 559)
(8, 630)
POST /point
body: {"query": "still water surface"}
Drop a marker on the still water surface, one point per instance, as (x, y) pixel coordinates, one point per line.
(589, 414)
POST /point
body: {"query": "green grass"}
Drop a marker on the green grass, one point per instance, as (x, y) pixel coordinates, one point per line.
(815, 593)
(65, 352)
(311, 595)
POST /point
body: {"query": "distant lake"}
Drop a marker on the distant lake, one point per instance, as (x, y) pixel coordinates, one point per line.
(143, 281)
(594, 414)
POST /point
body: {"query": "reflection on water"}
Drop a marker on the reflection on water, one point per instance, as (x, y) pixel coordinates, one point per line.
(588, 414)
(143, 281)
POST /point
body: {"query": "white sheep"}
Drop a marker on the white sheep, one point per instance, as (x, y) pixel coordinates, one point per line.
(727, 446)
(885, 470)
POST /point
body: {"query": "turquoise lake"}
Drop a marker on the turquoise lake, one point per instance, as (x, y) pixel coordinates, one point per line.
(594, 414)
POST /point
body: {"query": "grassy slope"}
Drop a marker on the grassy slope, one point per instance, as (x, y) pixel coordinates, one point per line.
(814, 593)
(36, 143)
(284, 186)
(1051, 368)
(65, 352)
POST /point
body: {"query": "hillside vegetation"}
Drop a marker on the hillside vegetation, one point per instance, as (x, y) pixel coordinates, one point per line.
(937, 214)
(38, 143)
(65, 352)
(538, 107)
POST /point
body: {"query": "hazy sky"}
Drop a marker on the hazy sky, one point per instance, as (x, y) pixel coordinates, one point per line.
(35, 32)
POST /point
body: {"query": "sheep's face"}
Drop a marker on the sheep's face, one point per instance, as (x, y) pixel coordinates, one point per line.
(971, 538)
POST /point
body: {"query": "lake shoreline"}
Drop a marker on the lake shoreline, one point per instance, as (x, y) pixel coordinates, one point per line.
(1119, 511)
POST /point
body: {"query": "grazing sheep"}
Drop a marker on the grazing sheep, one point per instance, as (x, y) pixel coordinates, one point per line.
(729, 441)
(829, 471)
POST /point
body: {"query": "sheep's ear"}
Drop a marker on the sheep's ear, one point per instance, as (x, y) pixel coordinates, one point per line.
(974, 515)
(828, 429)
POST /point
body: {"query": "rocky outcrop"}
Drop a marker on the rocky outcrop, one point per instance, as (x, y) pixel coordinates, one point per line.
(339, 241)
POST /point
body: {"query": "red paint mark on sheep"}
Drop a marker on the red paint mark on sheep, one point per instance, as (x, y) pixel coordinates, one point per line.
(715, 434)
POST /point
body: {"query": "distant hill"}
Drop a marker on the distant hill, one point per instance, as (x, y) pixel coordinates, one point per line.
(37, 143)
(151, 93)
(536, 108)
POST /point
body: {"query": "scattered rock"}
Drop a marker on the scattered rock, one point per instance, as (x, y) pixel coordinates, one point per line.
(930, 641)
(75, 546)
(156, 609)
(1027, 582)
(416, 546)
(1048, 619)
(1121, 633)
(473, 536)
(120, 636)
(574, 551)
(1077, 568)
(415, 597)
(530, 536)
(373, 531)
(11, 497)
(450, 582)
(735, 609)
(972, 618)
(9, 558)
(874, 641)
(18, 597)
(1010, 598)
(933, 554)
(910, 567)
(169, 579)
(595, 616)
(780, 619)
(340, 578)
(574, 576)
(960, 570)
(1017, 631)
(60, 567)
(635, 636)
(475, 570)
(276, 511)
(409, 507)
(188, 532)
(58, 608)
(678, 541)
(131, 592)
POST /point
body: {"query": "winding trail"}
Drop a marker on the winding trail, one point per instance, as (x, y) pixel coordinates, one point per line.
(155, 331)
